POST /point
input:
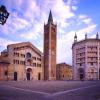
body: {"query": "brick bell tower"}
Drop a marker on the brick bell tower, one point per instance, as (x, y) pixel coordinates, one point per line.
(50, 32)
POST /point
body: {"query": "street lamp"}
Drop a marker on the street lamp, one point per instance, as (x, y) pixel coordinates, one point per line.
(3, 14)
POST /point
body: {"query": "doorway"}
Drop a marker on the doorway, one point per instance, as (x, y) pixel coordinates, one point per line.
(28, 76)
(28, 73)
(39, 76)
(81, 73)
(15, 76)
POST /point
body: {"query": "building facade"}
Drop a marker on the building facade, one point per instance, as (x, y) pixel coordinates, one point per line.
(4, 63)
(50, 32)
(21, 61)
(64, 72)
(86, 58)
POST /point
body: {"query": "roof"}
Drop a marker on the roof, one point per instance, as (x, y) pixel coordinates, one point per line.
(50, 18)
(4, 60)
(62, 64)
(86, 40)
(26, 44)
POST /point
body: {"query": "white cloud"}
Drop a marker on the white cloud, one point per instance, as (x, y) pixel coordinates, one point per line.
(82, 16)
(43, 15)
(29, 16)
(74, 8)
(85, 30)
(29, 36)
(4, 42)
(64, 45)
(87, 20)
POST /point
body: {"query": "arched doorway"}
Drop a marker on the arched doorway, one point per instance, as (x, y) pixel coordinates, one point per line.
(15, 76)
(81, 73)
(39, 76)
(28, 73)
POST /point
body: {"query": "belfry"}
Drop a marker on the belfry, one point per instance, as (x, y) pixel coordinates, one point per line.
(50, 32)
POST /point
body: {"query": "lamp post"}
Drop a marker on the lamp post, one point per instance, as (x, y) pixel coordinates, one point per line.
(3, 15)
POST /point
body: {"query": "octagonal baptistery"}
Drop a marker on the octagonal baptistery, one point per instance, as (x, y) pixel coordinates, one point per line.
(86, 58)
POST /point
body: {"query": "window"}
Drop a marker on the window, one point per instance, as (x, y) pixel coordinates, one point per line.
(22, 62)
(34, 64)
(39, 59)
(15, 61)
(34, 58)
(91, 63)
(28, 55)
(38, 65)
(6, 73)
(16, 54)
(22, 55)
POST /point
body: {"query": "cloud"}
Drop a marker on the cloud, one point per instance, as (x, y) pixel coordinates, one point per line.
(4, 42)
(27, 18)
(74, 8)
(41, 16)
(85, 19)
(85, 30)
(64, 45)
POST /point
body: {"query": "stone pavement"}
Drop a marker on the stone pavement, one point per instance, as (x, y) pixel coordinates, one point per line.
(50, 90)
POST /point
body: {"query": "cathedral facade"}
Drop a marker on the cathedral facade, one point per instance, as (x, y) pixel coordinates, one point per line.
(21, 61)
(86, 58)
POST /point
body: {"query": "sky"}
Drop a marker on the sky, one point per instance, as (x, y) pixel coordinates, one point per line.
(27, 18)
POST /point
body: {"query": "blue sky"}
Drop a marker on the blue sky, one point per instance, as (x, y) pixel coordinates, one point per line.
(27, 18)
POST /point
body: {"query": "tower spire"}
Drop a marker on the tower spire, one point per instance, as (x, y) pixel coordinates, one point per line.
(97, 36)
(50, 19)
(75, 37)
(85, 36)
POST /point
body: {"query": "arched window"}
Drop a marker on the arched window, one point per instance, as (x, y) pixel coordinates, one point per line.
(81, 70)
(28, 55)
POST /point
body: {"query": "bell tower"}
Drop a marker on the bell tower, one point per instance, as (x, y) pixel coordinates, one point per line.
(50, 32)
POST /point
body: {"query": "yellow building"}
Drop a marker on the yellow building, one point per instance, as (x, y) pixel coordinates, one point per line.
(3, 68)
(24, 62)
(64, 72)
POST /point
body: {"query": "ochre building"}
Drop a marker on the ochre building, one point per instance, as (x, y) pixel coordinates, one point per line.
(86, 58)
(4, 63)
(21, 61)
(64, 72)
